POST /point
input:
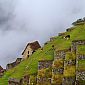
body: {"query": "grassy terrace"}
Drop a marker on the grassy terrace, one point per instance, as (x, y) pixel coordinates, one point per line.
(81, 65)
(69, 71)
(81, 49)
(70, 56)
(29, 66)
(58, 64)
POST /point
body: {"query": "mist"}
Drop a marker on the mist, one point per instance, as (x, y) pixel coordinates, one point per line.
(23, 21)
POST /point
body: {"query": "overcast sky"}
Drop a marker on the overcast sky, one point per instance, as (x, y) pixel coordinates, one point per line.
(23, 21)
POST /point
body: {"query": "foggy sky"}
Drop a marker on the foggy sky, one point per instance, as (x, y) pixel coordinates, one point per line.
(23, 21)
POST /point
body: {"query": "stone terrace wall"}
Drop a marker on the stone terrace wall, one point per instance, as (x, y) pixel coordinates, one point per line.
(58, 66)
(13, 81)
(68, 81)
(44, 72)
(75, 43)
(69, 29)
(45, 64)
(22, 81)
(60, 54)
(61, 34)
(80, 72)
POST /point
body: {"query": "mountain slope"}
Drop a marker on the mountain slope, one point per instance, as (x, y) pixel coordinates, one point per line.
(30, 66)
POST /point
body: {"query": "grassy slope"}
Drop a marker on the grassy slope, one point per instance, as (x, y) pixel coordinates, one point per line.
(29, 66)
(81, 49)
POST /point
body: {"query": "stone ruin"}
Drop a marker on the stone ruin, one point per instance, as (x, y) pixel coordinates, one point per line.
(44, 66)
(52, 38)
(13, 81)
(23, 81)
(12, 65)
(30, 49)
(69, 29)
(60, 54)
(75, 43)
(79, 22)
(68, 81)
(61, 34)
(1, 71)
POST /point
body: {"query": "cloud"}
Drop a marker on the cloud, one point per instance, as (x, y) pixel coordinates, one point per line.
(22, 21)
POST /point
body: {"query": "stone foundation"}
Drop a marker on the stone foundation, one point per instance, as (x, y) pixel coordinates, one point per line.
(13, 81)
(44, 72)
(81, 57)
(68, 81)
(75, 43)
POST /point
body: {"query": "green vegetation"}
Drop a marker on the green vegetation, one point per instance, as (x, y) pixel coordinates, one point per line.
(30, 65)
(58, 63)
(70, 56)
(81, 49)
(57, 79)
(69, 71)
(81, 65)
(45, 73)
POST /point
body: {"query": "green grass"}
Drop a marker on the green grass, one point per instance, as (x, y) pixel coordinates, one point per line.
(81, 65)
(30, 66)
(69, 71)
(81, 49)
(70, 56)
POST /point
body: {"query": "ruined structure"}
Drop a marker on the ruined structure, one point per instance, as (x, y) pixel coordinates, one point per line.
(13, 64)
(1, 71)
(61, 34)
(69, 29)
(44, 72)
(52, 38)
(79, 22)
(25, 80)
(30, 49)
(13, 81)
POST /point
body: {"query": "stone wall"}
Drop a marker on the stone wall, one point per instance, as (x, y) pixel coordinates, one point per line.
(69, 63)
(13, 81)
(80, 78)
(80, 57)
(12, 65)
(44, 72)
(68, 81)
(69, 29)
(1, 73)
(61, 54)
(52, 38)
(23, 81)
(44, 64)
(75, 43)
(61, 34)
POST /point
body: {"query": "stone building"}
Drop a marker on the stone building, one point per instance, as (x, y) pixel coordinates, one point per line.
(30, 49)
(18, 60)
(12, 65)
(13, 81)
(1, 71)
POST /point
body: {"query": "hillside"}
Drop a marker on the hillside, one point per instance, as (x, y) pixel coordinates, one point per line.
(57, 44)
